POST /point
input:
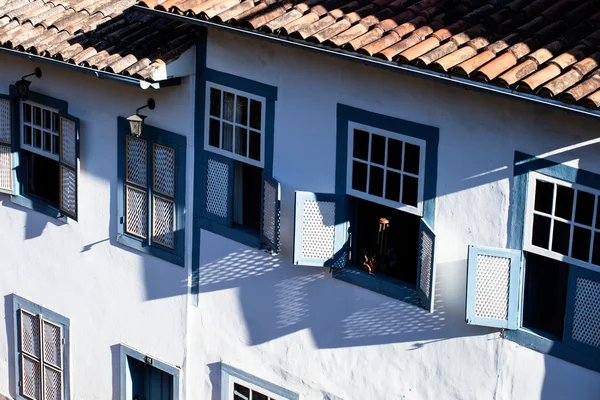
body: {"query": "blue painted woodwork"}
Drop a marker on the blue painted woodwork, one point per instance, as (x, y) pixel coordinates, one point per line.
(271, 245)
(9, 145)
(426, 297)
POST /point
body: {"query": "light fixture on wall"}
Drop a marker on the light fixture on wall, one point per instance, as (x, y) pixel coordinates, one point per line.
(136, 121)
(23, 84)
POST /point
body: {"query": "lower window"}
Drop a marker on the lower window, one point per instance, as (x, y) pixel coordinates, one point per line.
(239, 385)
(145, 378)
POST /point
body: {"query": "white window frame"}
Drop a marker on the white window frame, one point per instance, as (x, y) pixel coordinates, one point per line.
(262, 130)
(233, 380)
(382, 200)
(31, 124)
(529, 212)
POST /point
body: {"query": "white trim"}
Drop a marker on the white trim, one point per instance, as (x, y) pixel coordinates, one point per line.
(32, 125)
(252, 387)
(207, 117)
(529, 212)
(399, 205)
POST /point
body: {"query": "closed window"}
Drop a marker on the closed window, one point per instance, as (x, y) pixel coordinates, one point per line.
(239, 385)
(151, 196)
(42, 349)
(146, 378)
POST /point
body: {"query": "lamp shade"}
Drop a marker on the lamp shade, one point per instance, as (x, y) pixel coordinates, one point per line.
(136, 124)
(23, 89)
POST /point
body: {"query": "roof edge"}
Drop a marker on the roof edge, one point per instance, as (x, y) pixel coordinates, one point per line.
(411, 70)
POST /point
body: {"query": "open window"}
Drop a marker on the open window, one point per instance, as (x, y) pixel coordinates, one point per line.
(146, 378)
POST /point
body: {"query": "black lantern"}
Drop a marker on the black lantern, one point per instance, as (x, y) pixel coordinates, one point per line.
(23, 84)
(136, 121)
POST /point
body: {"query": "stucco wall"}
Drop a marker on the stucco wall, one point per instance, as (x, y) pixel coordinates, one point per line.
(110, 293)
(323, 338)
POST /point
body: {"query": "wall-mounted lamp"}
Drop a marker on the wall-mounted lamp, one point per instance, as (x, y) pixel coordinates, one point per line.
(136, 121)
(23, 84)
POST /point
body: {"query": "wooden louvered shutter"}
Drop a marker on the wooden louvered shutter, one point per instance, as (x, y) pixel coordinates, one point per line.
(136, 186)
(163, 195)
(30, 356)
(426, 270)
(6, 142)
(69, 155)
(269, 232)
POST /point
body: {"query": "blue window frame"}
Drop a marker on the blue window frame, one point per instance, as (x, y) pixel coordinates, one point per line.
(239, 197)
(151, 192)
(144, 377)
(40, 154)
(237, 384)
(329, 227)
(41, 351)
(551, 300)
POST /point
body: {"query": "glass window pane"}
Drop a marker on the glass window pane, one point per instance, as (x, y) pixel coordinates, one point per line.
(55, 123)
(47, 142)
(228, 99)
(55, 144)
(215, 102)
(241, 141)
(26, 112)
(377, 149)
(227, 137)
(359, 176)
(596, 251)
(214, 133)
(376, 181)
(410, 186)
(37, 138)
(394, 156)
(47, 123)
(255, 145)
(564, 202)
(392, 186)
(411, 158)
(37, 115)
(27, 135)
(242, 392)
(584, 209)
(581, 243)
(540, 236)
(561, 235)
(258, 396)
(255, 114)
(241, 114)
(544, 196)
(361, 145)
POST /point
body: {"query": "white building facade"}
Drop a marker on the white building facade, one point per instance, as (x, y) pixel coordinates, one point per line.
(275, 166)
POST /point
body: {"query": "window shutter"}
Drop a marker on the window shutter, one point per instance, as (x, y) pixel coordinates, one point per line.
(493, 287)
(136, 186)
(163, 195)
(6, 139)
(321, 230)
(219, 188)
(269, 233)
(52, 357)
(69, 155)
(31, 378)
(582, 320)
(426, 271)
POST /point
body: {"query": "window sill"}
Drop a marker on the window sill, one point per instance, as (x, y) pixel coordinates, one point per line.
(541, 344)
(155, 251)
(237, 234)
(39, 206)
(381, 284)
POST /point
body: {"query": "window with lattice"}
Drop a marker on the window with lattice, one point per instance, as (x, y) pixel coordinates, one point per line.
(239, 385)
(42, 351)
(151, 196)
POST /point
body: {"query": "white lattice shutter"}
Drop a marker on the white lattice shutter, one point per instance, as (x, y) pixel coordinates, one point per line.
(321, 230)
(219, 188)
(426, 271)
(163, 195)
(52, 361)
(30, 356)
(582, 321)
(270, 213)
(6, 140)
(493, 287)
(69, 154)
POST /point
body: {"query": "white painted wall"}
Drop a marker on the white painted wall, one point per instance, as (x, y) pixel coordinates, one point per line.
(326, 339)
(110, 293)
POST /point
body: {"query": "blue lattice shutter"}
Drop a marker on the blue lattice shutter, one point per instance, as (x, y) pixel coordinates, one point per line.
(69, 155)
(30, 355)
(218, 200)
(493, 287)
(426, 270)
(136, 186)
(321, 230)
(163, 195)
(6, 141)
(582, 320)
(269, 233)
(52, 354)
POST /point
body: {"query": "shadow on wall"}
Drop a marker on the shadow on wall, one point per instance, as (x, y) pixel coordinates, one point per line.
(35, 223)
(9, 321)
(563, 381)
(278, 300)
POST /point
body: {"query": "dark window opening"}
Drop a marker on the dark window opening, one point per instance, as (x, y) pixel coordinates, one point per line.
(545, 294)
(148, 382)
(247, 190)
(43, 177)
(386, 240)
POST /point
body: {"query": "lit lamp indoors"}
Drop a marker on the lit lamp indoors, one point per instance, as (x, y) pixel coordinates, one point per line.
(23, 84)
(136, 121)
